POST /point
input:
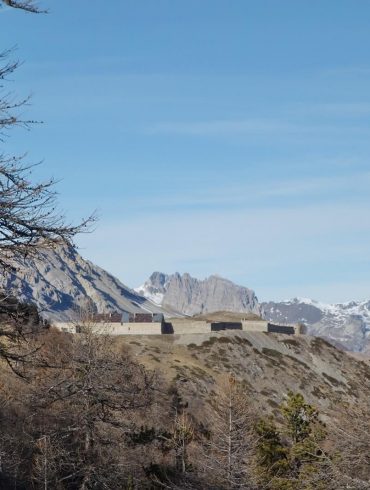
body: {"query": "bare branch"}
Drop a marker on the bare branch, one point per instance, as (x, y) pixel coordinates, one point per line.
(27, 5)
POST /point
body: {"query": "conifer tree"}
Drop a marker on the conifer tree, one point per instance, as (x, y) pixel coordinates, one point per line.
(30, 220)
(291, 457)
(229, 450)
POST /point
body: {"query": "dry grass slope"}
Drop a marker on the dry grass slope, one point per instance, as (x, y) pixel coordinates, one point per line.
(269, 365)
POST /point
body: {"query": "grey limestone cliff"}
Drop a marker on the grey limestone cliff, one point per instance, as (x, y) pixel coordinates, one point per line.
(60, 281)
(192, 296)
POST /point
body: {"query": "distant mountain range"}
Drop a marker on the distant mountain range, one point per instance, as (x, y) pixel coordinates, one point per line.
(348, 324)
(60, 281)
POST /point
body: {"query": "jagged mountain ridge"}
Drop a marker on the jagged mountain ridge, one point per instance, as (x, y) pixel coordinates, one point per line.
(60, 280)
(345, 323)
(192, 296)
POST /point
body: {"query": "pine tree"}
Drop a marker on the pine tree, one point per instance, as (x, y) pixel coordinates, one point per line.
(291, 457)
(272, 455)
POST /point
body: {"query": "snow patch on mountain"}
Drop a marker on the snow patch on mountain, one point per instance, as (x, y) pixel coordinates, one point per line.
(347, 323)
(156, 298)
(155, 287)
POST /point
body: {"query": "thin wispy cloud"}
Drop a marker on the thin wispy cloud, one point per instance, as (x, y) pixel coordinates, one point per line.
(358, 183)
(216, 128)
(347, 109)
(257, 194)
(244, 244)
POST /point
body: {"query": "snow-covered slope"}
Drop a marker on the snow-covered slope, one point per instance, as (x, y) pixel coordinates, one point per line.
(60, 280)
(192, 296)
(155, 287)
(346, 323)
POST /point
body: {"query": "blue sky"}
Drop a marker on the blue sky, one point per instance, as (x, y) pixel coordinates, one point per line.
(228, 137)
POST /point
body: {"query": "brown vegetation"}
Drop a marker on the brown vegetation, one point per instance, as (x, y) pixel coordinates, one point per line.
(92, 413)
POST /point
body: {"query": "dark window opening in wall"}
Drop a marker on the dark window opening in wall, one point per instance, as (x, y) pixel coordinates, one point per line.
(219, 326)
(280, 329)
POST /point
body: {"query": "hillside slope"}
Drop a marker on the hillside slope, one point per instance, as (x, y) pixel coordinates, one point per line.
(60, 280)
(269, 365)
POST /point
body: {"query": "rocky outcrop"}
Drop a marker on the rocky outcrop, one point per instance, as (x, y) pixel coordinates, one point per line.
(60, 281)
(192, 296)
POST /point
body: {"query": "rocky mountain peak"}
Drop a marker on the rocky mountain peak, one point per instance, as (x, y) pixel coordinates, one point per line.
(192, 296)
(158, 280)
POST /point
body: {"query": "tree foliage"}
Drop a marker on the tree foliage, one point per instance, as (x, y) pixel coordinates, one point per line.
(292, 457)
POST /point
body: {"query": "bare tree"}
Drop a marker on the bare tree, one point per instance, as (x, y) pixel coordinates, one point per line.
(350, 439)
(87, 407)
(30, 220)
(18, 323)
(179, 438)
(29, 215)
(231, 444)
(182, 436)
(27, 5)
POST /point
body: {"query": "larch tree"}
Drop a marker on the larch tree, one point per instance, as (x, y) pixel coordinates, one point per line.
(228, 453)
(29, 216)
(85, 411)
(30, 219)
(350, 439)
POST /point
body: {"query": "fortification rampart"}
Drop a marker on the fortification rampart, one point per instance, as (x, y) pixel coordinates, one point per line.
(144, 328)
(179, 327)
(154, 328)
(254, 326)
(187, 326)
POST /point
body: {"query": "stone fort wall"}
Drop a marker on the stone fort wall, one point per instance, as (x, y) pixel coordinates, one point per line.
(179, 327)
(115, 328)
